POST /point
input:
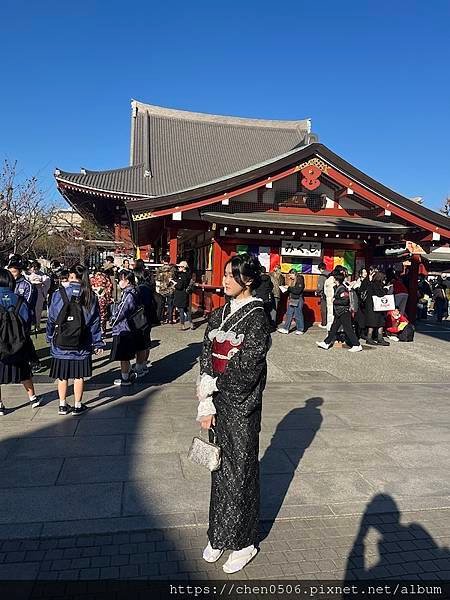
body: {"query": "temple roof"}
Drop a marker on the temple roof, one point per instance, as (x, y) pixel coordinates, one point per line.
(175, 150)
(306, 221)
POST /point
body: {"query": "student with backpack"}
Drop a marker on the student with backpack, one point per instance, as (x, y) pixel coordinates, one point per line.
(74, 332)
(15, 325)
(143, 335)
(124, 339)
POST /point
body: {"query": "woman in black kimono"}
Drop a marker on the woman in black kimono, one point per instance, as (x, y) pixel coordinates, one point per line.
(233, 372)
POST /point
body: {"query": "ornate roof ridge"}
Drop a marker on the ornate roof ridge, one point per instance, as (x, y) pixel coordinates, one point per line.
(185, 115)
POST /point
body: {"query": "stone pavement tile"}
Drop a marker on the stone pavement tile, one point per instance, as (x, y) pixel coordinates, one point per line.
(70, 446)
(276, 461)
(290, 438)
(425, 433)
(19, 571)
(51, 503)
(50, 412)
(420, 455)
(101, 525)
(328, 487)
(171, 495)
(128, 425)
(58, 429)
(158, 443)
(16, 472)
(119, 468)
(409, 482)
(8, 447)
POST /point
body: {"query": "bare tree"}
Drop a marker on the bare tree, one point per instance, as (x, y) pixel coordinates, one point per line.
(24, 213)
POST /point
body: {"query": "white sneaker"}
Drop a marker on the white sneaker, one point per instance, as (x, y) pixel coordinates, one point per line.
(239, 558)
(282, 330)
(299, 332)
(322, 326)
(393, 338)
(141, 372)
(323, 345)
(210, 554)
(355, 349)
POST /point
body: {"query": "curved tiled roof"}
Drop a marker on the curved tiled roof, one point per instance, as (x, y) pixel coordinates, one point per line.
(175, 150)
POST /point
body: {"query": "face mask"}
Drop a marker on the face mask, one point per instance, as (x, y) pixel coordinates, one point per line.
(123, 283)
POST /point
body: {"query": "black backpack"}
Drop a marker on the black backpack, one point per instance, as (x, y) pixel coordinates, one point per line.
(70, 326)
(138, 321)
(13, 339)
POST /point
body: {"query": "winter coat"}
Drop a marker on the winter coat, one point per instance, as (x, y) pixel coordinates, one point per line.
(123, 310)
(321, 283)
(25, 289)
(264, 290)
(277, 280)
(341, 301)
(163, 276)
(180, 296)
(9, 298)
(91, 318)
(374, 318)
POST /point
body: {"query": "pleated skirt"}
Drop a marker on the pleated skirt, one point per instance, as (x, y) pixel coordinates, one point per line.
(14, 373)
(124, 347)
(71, 369)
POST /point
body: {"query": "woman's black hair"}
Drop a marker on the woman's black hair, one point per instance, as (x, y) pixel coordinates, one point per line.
(36, 265)
(16, 264)
(360, 272)
(128, 275)
(64, 274)
(245, 267)
(298, 276)
(87, 296)
(7, 280)
(340, 277)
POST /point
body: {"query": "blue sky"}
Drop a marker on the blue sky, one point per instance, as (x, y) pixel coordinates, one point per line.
(373, 76)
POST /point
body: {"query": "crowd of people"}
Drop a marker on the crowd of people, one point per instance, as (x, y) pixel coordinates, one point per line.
(80, 302)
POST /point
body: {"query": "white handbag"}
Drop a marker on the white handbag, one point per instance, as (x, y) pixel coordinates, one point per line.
(383, 303)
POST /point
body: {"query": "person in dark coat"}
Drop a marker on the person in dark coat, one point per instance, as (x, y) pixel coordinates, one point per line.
(265, 292)
(233, 372)
(145, 288)
(296, 286)
(375, 319)
(342, 317)
(18, 369)
(181, 296)
(320, 292)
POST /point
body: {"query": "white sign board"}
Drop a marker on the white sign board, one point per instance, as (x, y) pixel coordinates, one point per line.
(301, 248)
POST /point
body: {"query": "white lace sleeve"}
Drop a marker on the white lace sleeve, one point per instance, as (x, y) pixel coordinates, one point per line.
(205, 407)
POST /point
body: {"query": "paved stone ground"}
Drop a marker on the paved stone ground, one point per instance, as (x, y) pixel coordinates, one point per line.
(318, 549)
(118, 478)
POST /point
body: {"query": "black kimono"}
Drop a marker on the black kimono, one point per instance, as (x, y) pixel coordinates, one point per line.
(234, 351)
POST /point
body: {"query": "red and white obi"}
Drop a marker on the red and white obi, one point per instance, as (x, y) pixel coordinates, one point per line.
(225, 344)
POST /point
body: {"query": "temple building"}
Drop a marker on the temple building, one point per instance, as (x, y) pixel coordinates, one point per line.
(204, 187)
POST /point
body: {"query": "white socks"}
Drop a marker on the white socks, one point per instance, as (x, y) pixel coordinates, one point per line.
(239, 558)
(236, 561)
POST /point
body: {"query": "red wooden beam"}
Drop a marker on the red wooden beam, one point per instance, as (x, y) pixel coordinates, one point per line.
(372, 197)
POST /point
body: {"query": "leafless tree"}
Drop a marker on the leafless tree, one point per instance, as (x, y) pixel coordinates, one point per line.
(24, 212)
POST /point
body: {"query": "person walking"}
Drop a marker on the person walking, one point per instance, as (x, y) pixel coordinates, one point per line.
(320, 292)
(296, 285)
(233, 371)
(181, 297)
(124, 340)
(342, 317)
(15, 326)
(375, 320)
(74, 333)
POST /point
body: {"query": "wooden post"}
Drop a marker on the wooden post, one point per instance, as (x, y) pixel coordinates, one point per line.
(413, 286)
(173, 246)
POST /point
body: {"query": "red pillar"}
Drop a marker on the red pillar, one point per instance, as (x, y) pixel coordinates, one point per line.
(173, 246)
(413, 287)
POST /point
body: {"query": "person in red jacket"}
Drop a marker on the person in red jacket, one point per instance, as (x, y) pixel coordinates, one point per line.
(395, 324)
